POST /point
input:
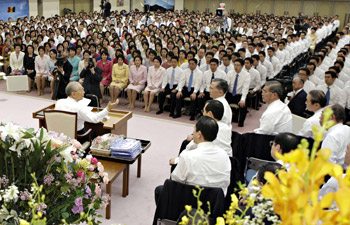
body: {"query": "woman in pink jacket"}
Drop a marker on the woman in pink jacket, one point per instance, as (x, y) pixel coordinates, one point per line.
(154, 81)
(137, 78)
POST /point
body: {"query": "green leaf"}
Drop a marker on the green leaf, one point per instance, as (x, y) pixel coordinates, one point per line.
(65, 215)
(41, 134)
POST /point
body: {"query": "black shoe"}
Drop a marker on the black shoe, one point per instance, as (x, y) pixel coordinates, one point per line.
(176, 116)
(171, 115)
(241, 124)
(192, 118)
(159, 112)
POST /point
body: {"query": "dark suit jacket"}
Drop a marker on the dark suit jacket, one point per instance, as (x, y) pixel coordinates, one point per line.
(297, 104)
(92, 83)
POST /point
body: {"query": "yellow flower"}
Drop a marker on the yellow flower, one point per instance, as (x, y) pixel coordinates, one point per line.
(188, 208)
(255, 182)
(23, 222)
(244, 192)
(184, 220)
(220, 221)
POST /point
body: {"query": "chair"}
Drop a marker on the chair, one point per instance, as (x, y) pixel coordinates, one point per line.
(176, 195)
(298, 123)
(66, 123)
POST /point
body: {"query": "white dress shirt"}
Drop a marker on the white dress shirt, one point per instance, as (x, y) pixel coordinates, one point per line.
(185, 66)
(337, 96)
(168, 74)
(196, 81)
(207, 166)
(84, 112)
(204, 67)
(255, 79)
(242, 83)
(315, 80)
(208, 75)
(337, 139)
(277, 118)
(263, 72)
(269, 67)
(277, 66)
(227, 117)
(226, 68)
(309, 86)
(306, 131)
(319, 73)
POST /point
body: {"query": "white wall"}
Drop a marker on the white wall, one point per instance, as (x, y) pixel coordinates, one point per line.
(179, 4)
(33, 7)
(51, 8)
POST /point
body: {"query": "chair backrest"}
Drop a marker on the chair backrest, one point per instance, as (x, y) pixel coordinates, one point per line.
(298, 123)
(176, 195)
(61, 122)
(255, 164)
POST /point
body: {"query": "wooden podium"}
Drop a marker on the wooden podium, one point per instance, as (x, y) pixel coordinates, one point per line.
(117, 123)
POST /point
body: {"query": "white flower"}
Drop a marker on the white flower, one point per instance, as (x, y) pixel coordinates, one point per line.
(88, 158)
(11, 194)
(67, 154)
(10, 130)
(46, 136)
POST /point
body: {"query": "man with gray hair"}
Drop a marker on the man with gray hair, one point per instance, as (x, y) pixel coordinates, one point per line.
(277, 118)
(75, 103)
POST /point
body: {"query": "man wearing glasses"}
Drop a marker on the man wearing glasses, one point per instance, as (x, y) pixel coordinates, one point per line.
(277, 118)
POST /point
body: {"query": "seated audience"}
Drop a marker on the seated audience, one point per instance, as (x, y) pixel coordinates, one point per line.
(51, 67)
(154, 81)
(277, 118)
(16, 60)
(120, 77)
(6, 52)
(137, 80)
(190, 85)
(106, 66)
(208, 165)
(297, 102)
(338, 135)
(238, 81)
(41, 70)
(92, 76)
(333, 93)
(304, 73)
(170, 82)
(29, 65)
(315, 102)
(74, 61)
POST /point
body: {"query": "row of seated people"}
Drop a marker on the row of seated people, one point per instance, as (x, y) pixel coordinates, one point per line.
(205, 160)
(327, 71)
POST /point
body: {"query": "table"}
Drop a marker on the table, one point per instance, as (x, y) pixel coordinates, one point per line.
(117, 123)
(114, 170)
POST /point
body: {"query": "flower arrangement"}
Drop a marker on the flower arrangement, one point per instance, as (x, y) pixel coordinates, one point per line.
(42, 178)
(292, 197)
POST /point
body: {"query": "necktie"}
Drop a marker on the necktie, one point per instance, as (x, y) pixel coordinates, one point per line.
(120, 32)
(207, 67)
(213, 76)
(235, 86)
(199, 64)
(190, 82)
(172, 79)
(270, 59)
(226, 69)
(328, 95)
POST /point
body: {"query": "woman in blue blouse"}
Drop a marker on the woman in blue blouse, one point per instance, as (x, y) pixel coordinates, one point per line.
(74, 61)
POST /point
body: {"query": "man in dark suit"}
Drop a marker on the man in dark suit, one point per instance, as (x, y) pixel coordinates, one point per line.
(297, 102)
(107, 9)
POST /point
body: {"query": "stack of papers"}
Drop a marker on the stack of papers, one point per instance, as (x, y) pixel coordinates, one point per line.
(126, 149)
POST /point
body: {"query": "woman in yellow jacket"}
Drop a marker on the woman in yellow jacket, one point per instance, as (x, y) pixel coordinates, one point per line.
(120, 77)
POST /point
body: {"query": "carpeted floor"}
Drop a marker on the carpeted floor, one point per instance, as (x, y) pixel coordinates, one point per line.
(166, 135)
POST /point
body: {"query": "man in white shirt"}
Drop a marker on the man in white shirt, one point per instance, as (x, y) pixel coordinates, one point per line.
(268, 65)
(260, 68)
(16, 60)
(208, 76)
(315, 102)
(277, 118)
(313, 78)
(205, 66)
(75, 103)
(190, 85)
(226, 65)
(333, 93)
(200, 58)
(338, 135)
(170, 82)
(208, 165)
(277, 65)
(238, 81)
(217, 91)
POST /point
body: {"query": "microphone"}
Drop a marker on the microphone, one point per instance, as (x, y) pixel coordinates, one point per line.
(94, 96)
